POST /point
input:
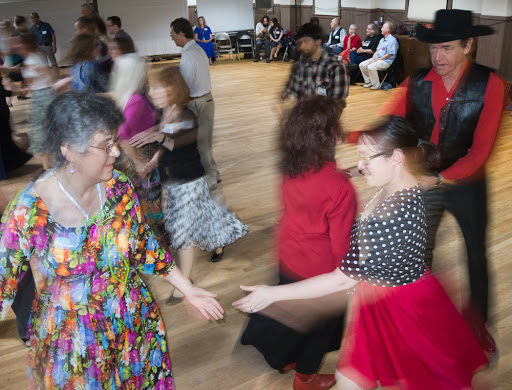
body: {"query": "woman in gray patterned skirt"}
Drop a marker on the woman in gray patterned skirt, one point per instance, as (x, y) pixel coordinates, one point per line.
(39, 78)
(192, 217)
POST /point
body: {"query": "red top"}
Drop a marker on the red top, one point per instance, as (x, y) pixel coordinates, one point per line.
(354, 43)
(314, 234)
(485, 131)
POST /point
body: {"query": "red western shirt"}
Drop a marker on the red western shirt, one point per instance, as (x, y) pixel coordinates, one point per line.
(485, 131)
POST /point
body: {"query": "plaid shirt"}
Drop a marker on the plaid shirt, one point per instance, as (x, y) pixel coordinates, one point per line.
(323, 77)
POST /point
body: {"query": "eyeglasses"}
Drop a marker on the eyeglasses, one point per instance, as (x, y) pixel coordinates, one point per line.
(366, 160)
(109, 147)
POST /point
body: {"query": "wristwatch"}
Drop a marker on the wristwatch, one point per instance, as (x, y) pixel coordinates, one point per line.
(162, 141)
(439, 179)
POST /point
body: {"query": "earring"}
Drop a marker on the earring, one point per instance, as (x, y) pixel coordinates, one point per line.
(72, 169)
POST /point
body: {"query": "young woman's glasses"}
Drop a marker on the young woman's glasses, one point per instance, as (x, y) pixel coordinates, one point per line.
(366, 160)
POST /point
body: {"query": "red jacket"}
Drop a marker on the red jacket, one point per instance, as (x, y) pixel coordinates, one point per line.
(354, 43)
(314, 234)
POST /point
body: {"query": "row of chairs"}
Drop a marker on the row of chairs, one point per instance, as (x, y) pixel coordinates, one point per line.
(243, 41)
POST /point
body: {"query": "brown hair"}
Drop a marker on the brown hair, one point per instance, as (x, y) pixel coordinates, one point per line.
(124, 45)
(177, 89)
(309, 134)
(82, 47)
(86, 23)
(30, 42)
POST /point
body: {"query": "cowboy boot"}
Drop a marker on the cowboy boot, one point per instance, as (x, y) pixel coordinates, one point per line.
(313, 382)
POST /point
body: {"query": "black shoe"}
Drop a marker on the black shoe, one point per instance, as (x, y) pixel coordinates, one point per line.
(23, 97)
(268, 60)
(255, 60)
(219, 180)
(216, 257)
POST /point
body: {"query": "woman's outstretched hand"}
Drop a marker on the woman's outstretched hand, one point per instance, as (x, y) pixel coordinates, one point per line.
(257, 300)
(205, 302)
(146, 137)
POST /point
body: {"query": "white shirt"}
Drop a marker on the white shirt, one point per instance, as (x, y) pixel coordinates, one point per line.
(195, 69)
(35, 70)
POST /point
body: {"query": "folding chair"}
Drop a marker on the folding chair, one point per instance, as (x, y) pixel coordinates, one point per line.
(392, 73)
(223, 44)
(244, 41)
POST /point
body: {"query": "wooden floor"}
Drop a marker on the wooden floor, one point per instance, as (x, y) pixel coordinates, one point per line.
(208, 355)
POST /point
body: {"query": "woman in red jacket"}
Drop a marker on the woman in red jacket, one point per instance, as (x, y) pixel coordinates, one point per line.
(313, 237)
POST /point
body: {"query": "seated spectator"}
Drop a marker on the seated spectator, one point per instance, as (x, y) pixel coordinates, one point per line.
(262, 38)
(114, 28)
(334, 44)
(368, 46)
(276, 37)
(352, 41)
(381, 59)
(204, 37)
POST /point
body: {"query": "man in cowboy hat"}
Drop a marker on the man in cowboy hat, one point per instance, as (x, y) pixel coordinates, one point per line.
(456, 105)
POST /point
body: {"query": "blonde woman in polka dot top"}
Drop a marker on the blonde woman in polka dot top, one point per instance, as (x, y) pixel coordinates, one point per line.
(403, 331)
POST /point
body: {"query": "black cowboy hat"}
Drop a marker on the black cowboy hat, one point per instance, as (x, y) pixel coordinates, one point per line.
(451, 25)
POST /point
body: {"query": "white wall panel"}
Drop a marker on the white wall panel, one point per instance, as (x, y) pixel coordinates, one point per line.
(424, 10)
(227, 15)
(148, 22)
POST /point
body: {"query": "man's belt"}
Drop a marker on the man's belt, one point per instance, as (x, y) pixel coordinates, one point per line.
(199, 97)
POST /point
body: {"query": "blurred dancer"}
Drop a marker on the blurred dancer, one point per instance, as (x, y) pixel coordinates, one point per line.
(192, 217)
(319, 210)
(39, 79)
(457, 105)
(196, 71)
(129, 85)
(93, 324)
(403, 330)
(85, 74)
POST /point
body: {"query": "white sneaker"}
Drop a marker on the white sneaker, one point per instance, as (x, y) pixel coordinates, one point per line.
(367, 85)
(374, 87)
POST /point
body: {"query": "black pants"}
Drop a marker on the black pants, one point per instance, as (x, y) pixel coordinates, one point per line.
(22, 305)
(281, 345)
(259, 44)
(468, 204)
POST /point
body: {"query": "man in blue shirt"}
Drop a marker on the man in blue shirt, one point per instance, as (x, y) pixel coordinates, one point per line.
(381, 59)
(45, 36)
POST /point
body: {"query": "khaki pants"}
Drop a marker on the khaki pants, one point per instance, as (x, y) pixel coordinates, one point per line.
(205, 108)
(50, 57)
(370, 71)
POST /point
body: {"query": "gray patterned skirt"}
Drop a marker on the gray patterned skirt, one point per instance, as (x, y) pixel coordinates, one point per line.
(41, 99)
(193, 218)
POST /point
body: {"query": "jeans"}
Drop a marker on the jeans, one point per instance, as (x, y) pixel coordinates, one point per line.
(259, 43)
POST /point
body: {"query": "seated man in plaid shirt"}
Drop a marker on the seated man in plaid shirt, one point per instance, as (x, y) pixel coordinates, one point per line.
(316, 73)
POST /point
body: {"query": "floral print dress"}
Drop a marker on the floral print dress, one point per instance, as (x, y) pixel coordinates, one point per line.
(94, 324)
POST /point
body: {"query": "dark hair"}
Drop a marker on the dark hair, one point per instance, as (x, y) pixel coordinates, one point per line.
(34, 14)
(82, 47)
(395, 132)
(116, 20)
(310, 30)
(86, 23)
(19, 19)
(74, 117)
(464, 42)
(100, 25)
(264, 17)
(276, 24)
(309, 134)
(314, 20)
(182, 25)
(125, 45)
(29, 41)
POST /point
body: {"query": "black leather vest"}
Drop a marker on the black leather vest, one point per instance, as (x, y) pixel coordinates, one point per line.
(458, 118)
(335, 36)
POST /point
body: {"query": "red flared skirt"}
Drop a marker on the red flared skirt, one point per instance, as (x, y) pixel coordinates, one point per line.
(410, 337)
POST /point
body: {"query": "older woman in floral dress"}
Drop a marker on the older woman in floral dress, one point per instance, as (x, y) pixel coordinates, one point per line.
(79, 228)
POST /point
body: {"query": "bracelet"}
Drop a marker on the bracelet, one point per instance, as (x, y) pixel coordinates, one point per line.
(439, 180)
(162, 141)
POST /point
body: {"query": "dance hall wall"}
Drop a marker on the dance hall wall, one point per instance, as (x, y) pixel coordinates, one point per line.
(494, 51)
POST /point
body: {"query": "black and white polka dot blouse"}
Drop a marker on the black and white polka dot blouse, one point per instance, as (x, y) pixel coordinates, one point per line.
(388, 247)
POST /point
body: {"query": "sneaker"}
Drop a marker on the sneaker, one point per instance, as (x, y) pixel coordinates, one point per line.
(375, 87)
(367, 85)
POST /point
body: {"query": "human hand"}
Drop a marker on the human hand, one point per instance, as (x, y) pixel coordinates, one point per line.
(352, 35)
(146, 137)
(54, 49)
(372, 60)
(360, 50)
(144, 168)
(257, 300)
(427, 182)
(205, 302)
(333, 45)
